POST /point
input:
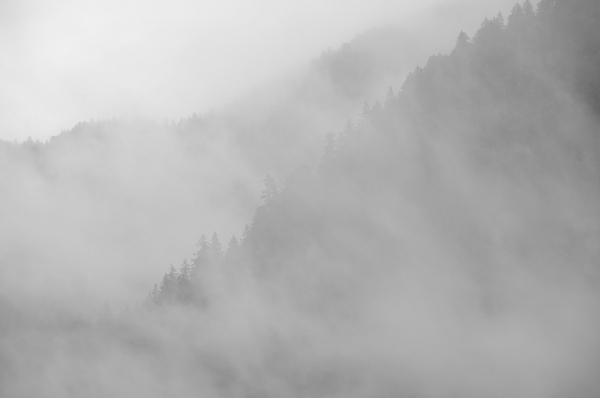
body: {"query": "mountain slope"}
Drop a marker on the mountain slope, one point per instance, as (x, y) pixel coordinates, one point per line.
(136, 192)
(451, 234)
(446, 245)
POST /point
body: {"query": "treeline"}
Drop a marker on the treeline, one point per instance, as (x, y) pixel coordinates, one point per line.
(519, 99)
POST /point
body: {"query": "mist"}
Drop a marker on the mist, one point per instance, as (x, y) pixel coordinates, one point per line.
(415, 211)
(65, 63)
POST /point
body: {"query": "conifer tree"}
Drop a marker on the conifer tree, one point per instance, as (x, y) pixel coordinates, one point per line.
(389, 97)
(245, 235)
(347, 136)
(490, 31)
(528, 12)
(200, 262)
(153, 297)
(270, 191)
(202, 256)
(329, 154)
(184, 283)
(544, 8)
(462, 40)
(216, 251)
(516, 17)
(500, 20)
(232, 248)
(377, 108)
(184, 271)
(364, 115)
(168, 286)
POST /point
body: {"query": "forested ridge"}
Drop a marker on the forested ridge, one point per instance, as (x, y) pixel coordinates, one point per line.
(289, 116)
(517, 102)
(445, 243)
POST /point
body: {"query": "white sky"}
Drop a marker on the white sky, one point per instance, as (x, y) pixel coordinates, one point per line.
(62, 62)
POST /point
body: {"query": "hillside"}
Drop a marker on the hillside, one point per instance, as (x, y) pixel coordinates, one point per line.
(126, 192)
(445, 244)
(499, 116)
(458, 213)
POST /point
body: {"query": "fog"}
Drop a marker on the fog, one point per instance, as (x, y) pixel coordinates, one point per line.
(63, 63)
(439, 241)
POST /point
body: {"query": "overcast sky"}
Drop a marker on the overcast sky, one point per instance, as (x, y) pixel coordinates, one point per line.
(62, 62)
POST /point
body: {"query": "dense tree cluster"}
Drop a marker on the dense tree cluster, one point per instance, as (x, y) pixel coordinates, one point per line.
(508, 100)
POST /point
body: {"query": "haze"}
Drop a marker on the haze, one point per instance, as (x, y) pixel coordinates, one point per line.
(407, 223)
(64, 62)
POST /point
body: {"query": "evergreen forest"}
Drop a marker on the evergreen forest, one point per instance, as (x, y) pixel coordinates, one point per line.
(435, 236)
